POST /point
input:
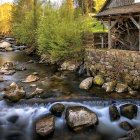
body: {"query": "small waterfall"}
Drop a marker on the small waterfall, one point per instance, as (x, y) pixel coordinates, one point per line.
(16, 122)
(81, 71)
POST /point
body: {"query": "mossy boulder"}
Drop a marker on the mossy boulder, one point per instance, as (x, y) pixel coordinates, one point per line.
(127, 78)
(98, 80)
(109, 86)
(120, 88)
(136, 84)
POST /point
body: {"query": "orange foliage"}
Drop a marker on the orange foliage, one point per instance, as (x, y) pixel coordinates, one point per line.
(5, 17)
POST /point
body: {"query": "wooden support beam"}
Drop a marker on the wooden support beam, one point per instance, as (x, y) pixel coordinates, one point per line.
(107, 26)
(109, 35)
(139, 34)
(135, 22)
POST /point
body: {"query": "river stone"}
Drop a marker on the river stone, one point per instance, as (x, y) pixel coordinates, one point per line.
(4, 45)
(13, 118)
(30, 78)
(2, 79)
(79, 117)
(129, 111)
(87, 83)
(20, 68)
(114, 113)
(9, 72)
(98, 80)
(136, 84)
(45, 125)
(57, 109)
(8, 66)
(120, 88)
(15, 92)
(9, 49)
(36, 93)
(132, 135)
(109, 86)
(126, 126)
(71, 66)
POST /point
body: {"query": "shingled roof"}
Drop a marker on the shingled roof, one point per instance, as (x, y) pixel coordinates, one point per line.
(119, 7)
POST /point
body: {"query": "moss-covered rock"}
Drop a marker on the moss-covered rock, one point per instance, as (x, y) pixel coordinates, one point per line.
(120, 88)
(127, 78)
(109, 86)
(98, 80)
(136, 84)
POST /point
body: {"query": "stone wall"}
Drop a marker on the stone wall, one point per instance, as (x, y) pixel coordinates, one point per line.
(112, 64)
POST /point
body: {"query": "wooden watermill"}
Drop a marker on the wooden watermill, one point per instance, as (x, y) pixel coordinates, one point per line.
(125, 35)
(122, 19)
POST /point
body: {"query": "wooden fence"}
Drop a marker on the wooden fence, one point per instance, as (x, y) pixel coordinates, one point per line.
(95, 40)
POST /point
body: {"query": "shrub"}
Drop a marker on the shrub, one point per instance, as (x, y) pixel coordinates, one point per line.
(60, 33)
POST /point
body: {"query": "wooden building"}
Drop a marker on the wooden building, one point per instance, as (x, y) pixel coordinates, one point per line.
(122, 19)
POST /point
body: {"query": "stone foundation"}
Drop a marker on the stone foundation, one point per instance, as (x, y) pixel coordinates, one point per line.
(113, 64)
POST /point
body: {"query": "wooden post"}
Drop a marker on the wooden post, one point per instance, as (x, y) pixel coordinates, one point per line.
(139, 34)
(109, 35)
(102, 38)
(138, 26)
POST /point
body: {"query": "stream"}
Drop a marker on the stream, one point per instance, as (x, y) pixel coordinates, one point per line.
(59, 87)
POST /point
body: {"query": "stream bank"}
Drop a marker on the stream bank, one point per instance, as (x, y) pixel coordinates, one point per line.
(58, 87)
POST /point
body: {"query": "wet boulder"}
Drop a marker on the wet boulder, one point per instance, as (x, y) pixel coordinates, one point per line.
(8, 72)
(114, 113)
(132, 135)
(109, 86)
(98, 80)
(8, 66)
(70, 65)
(2, 79)
(126, 126)
(13, 118)
(36, 93)
(20, 68)
(79, 117)
(45, 125)
(87, 83)
(120, 88)
(9, 49)
(15, 92)
(57, 109)
(129, 111)
(4, 45)
(30, 78)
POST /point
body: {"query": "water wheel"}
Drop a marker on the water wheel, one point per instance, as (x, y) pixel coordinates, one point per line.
(124, 35)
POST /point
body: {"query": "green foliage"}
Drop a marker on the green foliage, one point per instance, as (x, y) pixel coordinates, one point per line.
(60, 34)
(25, 16)
(25, 32)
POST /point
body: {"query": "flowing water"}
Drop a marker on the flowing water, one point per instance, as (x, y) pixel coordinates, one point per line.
(58, 87)
(22, 129)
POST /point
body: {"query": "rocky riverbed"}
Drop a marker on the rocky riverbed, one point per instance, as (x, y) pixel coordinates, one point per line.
(40, 101)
